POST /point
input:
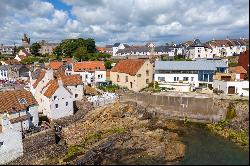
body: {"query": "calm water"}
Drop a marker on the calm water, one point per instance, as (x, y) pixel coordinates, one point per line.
(205, 148)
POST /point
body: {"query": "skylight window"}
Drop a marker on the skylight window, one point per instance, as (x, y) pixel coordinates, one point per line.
(22, 101)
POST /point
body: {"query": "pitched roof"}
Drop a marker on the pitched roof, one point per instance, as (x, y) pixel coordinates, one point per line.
(71, 80)
(52, 87)
(220, 43)
(128, 66)
(237, 69)
(88, 66)
(39, 78)
(55, 65)
(11, 61)
(10, 100)
(116, 44)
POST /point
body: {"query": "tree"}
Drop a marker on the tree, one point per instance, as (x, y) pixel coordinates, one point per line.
(19, 48)
(108, 64)
(35, 48)
(57, 52)
(80, 54)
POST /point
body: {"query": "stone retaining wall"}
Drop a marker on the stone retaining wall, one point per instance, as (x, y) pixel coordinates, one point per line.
(39, 140)
(195, 109)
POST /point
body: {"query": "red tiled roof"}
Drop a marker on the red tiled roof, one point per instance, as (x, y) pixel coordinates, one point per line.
(237, 69)
(88, 66)
(220, 43)
(10, 100)
(40, 77)
(72, 80)
(55, 65)
(52, 87)
(128, 66)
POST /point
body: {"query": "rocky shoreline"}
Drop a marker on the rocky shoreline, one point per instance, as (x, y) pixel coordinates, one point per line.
(122, 134)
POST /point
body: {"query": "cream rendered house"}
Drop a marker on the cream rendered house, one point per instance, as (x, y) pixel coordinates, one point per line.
(134, 74)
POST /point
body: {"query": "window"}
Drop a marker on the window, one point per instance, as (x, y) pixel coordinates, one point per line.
(67, 103)
(1, 143)
(185, 78)
(176, 78)
(31, 119)
(76, 95)
(76, 86)
(147, 81)
(55, 97)
(192, 78)
(56, 105)
(86, 76)
(126, 79)
(99, 76)
(147, 73)
(138, 75)
(161, 78)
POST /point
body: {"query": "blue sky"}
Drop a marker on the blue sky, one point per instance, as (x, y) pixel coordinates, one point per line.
(127, 21)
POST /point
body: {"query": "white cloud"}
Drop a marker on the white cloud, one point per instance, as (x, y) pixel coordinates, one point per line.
(111, 21)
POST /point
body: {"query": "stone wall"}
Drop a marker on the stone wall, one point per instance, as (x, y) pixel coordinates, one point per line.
(195, 109)
(39, 140)
(83, 107)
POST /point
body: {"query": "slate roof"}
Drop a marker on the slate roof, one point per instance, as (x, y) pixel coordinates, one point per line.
(116, 44)
(189, 65)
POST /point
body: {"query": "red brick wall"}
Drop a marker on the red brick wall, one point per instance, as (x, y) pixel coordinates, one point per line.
(244, 60)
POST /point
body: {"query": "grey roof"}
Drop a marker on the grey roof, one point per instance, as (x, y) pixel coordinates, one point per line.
(116, 44)
(133, 49)
(4, 67)
(190, 65)
(163, 48)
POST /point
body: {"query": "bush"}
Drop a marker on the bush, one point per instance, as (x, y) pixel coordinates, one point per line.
(231, 112)
(109, 88)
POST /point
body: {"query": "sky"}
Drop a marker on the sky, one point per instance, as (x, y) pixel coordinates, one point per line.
(125, 21)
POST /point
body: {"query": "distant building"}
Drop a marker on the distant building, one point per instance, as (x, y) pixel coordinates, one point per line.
(7, 49)
(134, 74)
(14, 72)
(22, 54)
(47, 48)
(26, 43)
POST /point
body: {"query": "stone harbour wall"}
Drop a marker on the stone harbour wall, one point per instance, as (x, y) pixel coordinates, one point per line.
(195, 109)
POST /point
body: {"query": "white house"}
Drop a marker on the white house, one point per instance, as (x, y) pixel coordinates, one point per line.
(22, 54)
(21, 109)
(57, 100)
(199, 50)
(227, 47)
(4, 72)
(42, 84)
(118, 46)
(232, 87)
(11, 146)
(187, 75)
(91, 72)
